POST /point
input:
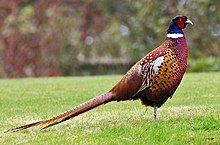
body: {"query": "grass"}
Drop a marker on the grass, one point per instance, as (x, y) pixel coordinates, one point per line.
(192, 116)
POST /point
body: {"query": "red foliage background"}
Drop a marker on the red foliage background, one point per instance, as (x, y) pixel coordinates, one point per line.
(35, 54)
(75, 37)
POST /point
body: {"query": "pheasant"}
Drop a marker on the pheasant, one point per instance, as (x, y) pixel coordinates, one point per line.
(153, 79)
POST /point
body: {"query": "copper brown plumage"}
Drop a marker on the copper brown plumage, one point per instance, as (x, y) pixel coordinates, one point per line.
(153, 79)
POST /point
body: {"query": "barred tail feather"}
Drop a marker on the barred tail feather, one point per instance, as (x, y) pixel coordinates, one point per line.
(84, 107)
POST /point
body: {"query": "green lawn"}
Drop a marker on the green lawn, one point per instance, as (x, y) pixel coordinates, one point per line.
(192, 116)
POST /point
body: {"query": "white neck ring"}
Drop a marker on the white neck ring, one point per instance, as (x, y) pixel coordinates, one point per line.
(174, 35)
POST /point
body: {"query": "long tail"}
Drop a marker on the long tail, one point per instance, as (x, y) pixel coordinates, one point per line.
(84, 107)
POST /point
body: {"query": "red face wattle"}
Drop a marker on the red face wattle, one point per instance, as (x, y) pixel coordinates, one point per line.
(181, 22)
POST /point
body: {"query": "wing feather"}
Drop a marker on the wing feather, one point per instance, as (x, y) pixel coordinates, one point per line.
(149, 69)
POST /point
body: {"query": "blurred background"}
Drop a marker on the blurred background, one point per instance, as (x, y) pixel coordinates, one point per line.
(94, 37)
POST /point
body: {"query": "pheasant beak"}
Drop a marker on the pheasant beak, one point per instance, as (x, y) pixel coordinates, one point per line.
(188, 21)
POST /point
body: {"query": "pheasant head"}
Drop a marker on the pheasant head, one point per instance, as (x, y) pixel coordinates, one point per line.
(177, 24)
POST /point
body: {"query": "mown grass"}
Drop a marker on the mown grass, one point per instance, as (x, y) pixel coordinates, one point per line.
(192, 116)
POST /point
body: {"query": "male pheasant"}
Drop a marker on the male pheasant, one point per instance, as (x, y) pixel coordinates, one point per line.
(153, 79)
